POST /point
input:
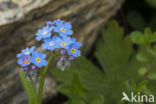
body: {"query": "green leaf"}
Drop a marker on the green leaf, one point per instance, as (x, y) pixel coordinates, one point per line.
(143, 57)
(141, 86)
(29, 87)
(74, 88)
(152, 76)
(77, 101)
(147, 31)
(142, 71)
(153, 37)
(115, 55)
(98, 99)
(148, 34)
(153, 50)
(118, 63)
(137, 37)
(136, 20)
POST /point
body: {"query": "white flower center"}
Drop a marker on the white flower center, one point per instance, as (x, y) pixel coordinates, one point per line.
(51, 43)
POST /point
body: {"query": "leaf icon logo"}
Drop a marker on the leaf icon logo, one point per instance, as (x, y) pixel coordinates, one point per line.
(125, 97)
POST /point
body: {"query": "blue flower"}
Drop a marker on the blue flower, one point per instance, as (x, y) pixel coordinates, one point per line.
(63, 29)
(73, 39)
(50, 23)
(58, 21)
(24, 60)
(77, 45)
(55, 22)
(39, 59)
(26, 51)
(65, 42)
(45, 32)
(73, 49)
(51, 43)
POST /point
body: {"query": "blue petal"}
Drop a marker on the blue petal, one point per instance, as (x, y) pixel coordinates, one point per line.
(60, 25)
(47, 40)
(69, 32)
(25, 50)
(32, 48)
(76, 45)
(39, 65)
(77, 54)
(35, 54)
(38, 32)
(38, 38)
(44, 62)
(69, 51)
(73, 39)
(55, 37)
(50, 23)
(42, 55)
(18, 55)
(67, 25)
(44, 46)
(56, 29)
(63, 34)
(51, 28)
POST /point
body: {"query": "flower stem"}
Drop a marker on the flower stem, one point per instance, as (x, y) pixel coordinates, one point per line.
(42, 80)
(148, 63)
(148, 70)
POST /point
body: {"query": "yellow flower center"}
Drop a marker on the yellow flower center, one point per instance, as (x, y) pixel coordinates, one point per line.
(26, 61)
(73, 50)
(45, 32)
(63, 44)
(26, 53)
(38, 59)
(63, 30)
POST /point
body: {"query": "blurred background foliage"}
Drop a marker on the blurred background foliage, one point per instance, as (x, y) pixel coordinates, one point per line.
(140, 14)
(115, 65)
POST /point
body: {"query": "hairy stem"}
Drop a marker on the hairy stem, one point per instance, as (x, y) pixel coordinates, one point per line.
(149, 63)
(148, 70)
(42, 80)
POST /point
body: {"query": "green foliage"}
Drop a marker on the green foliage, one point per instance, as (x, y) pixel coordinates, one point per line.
(142, 71)
(136, 20)
(145, 40)
(147, 55)
(140, 14)
(153, 50)
(152, 76)
(142, 57)
(71, 89)
(152, 3)
(83, 82)
(29, 87)
(137, 37)
(140, 86)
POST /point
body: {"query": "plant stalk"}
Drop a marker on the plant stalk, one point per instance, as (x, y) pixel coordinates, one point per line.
(42, 80)
(149, 63)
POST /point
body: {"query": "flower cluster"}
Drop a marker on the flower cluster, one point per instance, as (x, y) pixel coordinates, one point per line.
(29, 59)
(56, 35)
